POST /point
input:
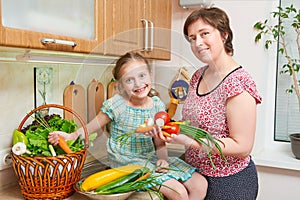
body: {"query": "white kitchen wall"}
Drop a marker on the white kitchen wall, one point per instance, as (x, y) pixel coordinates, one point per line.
(16, 87)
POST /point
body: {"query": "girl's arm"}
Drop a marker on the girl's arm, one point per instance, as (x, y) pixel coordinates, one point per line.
(94, 125)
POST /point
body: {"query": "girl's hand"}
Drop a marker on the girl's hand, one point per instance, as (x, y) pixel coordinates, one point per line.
(54, 139)
(154, 132)
(162, 165)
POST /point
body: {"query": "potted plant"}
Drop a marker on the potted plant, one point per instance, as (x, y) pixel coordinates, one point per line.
(285, 33)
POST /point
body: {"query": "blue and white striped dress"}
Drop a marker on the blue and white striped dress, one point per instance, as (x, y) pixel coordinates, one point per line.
(140, 149)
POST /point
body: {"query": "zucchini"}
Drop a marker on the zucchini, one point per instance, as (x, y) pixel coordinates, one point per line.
(103, 177)
(122, 180)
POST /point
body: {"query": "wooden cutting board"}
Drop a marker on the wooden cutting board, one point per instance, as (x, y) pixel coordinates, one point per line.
(75, 98)
(179, 85)
(95, 94)
(112, 88)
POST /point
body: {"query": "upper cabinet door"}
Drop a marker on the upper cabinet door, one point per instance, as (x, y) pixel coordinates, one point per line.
(138, 25)
(159, 16)
(69, 25)
(123, 27)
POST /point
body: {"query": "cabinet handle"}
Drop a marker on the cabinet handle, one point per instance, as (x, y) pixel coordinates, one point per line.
(45, 41)
(146, 34)
(151, 35)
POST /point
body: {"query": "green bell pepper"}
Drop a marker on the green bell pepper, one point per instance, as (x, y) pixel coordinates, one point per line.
(18, 136)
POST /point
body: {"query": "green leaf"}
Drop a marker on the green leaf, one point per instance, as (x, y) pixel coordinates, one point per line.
(258, 37)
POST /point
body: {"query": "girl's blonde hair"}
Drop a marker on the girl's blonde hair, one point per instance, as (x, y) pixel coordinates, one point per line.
(126, 58)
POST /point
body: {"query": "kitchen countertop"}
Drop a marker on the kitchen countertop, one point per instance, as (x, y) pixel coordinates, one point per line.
(14, 193)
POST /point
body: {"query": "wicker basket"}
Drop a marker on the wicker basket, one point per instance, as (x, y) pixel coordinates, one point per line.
(49, 177)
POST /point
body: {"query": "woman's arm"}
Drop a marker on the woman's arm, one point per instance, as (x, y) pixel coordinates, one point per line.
(241, 118)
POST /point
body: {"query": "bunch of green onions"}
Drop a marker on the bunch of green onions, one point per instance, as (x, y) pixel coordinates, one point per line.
(199, 135)
(203, 137)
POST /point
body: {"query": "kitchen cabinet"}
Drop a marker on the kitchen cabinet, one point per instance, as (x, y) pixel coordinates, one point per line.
(69, 25)
(138, 25)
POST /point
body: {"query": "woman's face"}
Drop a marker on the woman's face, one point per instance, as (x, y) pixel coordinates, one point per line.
(206, 41)
(135, 79)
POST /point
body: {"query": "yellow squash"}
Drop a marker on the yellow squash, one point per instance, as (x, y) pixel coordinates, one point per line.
(103, 177)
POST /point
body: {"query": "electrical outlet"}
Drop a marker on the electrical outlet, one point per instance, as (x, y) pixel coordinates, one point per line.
(5, 158)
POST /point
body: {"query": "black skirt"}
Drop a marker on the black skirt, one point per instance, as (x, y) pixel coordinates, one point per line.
(240, 186)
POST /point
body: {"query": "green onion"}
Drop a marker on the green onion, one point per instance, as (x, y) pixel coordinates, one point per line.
(199, 134)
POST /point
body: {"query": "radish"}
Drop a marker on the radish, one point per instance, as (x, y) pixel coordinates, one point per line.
(161, 118)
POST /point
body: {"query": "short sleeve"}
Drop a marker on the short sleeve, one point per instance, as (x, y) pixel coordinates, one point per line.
(240, 81)
(158, 104)
(113, 106)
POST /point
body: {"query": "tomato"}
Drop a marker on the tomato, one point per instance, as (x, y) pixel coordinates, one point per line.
(171, 128)
(161, 118)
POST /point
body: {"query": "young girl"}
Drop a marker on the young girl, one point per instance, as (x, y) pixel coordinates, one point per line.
(126, 111)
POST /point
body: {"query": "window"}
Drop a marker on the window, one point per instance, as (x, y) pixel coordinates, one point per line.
(287, 110)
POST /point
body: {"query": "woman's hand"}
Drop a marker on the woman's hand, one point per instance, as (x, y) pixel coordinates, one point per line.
(54, 139)
(162, 165)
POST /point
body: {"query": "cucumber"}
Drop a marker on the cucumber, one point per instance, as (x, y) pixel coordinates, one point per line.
(122, 180)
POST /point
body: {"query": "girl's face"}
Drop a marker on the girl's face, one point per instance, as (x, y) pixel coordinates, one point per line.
(206, 41)
(135, 79)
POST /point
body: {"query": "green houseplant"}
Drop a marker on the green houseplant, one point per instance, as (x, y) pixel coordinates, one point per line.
(286, 34)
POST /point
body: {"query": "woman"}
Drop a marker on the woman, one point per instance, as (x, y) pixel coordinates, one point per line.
(222, 99)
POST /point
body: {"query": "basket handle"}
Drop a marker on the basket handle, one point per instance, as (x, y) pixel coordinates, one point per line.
(61, 107)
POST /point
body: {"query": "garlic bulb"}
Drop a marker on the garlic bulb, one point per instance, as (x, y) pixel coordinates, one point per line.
(19, 148)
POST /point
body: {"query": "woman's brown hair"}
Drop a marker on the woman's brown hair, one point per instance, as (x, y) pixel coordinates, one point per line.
(215, 17)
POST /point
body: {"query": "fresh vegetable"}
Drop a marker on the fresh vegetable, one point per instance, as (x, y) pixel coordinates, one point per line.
(186, 122)
(37, 135)
(103, 177)
(143, 177)
(122, 180)
(19, 148)
(149, 184)
(18, 136)
(143, 128)
(171, 128)
(63, 144)
(161, 118)
(53, 153)
(199, 135)
(166, 134)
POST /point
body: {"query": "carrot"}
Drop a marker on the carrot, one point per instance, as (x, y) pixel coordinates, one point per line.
(166, 127)
(144, 129)
(143, 177)
(166, 134)
(63, 144)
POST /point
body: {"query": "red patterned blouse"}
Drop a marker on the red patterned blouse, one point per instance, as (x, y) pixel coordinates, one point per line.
(207, 111)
